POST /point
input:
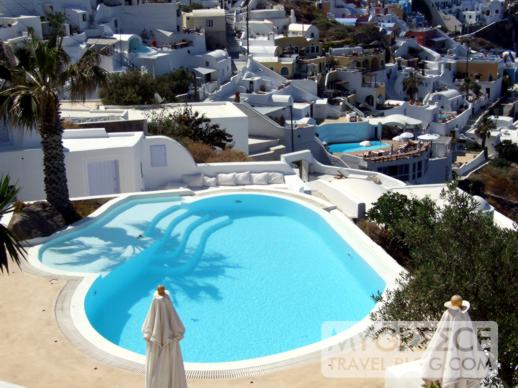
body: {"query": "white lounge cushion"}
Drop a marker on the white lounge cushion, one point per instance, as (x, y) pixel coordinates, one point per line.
(259, 178)
(193, 180)
(243, 178)
(275, 178)
(227, 179)
(210, 181)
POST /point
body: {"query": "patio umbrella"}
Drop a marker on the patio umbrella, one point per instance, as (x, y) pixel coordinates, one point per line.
(454, 357)
(365, 143)
(406, 135)
(396, 138)
(428, 136)
(163, 331)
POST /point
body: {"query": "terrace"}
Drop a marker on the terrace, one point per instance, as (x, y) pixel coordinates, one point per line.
(398, 150)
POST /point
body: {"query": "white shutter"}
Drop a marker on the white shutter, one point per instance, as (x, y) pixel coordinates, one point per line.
(158, 155)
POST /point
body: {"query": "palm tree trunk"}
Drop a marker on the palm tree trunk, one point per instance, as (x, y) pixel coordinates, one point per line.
(55, 177)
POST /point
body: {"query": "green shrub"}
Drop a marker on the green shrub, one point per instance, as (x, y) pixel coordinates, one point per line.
(454, 249)
(136, 88)
(187, 126)
(508, 150)
(203, 153)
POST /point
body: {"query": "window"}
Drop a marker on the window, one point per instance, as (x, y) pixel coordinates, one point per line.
(284, 71)
(207, 63)
(209, 23)
(158, 155)
(84, 17)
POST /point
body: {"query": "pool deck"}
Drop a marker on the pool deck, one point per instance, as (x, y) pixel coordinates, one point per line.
(35, 353)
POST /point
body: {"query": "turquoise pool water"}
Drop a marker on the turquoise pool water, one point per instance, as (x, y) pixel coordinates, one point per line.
(356, 147)
(250, 275)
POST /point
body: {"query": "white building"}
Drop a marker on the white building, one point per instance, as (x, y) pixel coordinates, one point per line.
(133, 19)
(306, 30)
(17, 26)
(225, 114)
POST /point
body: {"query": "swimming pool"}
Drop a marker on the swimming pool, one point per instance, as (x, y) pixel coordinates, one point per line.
(356, 147)
(251, 275)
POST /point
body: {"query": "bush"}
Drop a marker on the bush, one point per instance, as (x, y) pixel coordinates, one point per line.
(203, 153)
(130, 88)
(174, 83)
(199, 151)
(136, 88)
(508, 150)
(228, 155)
(187, 126)
(453, 250)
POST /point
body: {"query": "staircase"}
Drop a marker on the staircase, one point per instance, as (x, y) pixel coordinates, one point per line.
(233, 45)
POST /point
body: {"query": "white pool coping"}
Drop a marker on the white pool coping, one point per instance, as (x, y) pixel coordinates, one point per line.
(384, 265)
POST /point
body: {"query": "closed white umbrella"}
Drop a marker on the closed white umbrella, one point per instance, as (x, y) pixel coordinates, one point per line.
(454, 356)
(428, 136)
(163, 331)
(365, 143)
(406, 135)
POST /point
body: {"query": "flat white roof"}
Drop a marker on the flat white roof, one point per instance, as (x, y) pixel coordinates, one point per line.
(207, 12)
(97, 139)
(299, 27)
(364, 189)
(399, 119)
(212, 110)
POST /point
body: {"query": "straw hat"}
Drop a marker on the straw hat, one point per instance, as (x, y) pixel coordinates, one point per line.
(457, 303)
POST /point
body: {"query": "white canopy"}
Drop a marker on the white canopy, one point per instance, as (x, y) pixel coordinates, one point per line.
(453, 356)
(428, 136)
(406, 135)
(365, 143)
(162, 331)
(395, 119)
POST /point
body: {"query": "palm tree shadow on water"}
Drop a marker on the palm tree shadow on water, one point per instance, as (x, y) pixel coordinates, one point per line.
(135, 295)
(115, 246)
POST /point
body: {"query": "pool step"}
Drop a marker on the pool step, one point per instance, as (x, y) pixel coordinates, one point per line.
(164, 216)
(175, 244)
(191, 247)
(195, 248)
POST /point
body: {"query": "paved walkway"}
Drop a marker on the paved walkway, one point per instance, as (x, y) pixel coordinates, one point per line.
(35, 354)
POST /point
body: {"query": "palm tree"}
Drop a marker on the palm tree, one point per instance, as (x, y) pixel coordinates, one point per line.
(9, 245)
(484, 128)
(33, 78)
(411, 85)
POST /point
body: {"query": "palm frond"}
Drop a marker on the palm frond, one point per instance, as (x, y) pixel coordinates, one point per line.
(10, 247)
(19, 106)
(85, 76)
